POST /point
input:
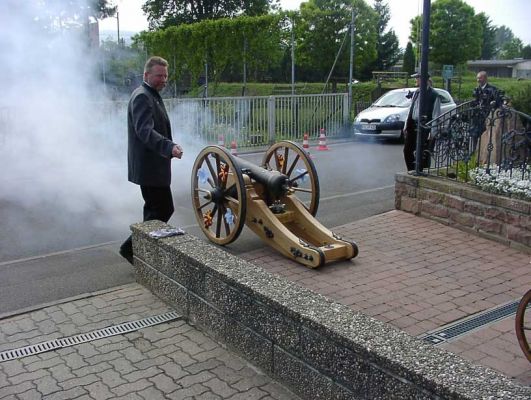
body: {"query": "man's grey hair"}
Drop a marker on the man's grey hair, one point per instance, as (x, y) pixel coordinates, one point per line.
(155, 60)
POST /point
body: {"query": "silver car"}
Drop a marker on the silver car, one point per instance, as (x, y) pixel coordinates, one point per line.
(386, 116)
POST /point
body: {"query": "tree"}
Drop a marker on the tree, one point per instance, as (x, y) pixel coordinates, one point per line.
(488, 46)
(526, 52)
(387, 48)
(512, 49)
(165, 13)
(220, 42)
(409, 59)
(503, 35)
(323, 27)
(455, 32)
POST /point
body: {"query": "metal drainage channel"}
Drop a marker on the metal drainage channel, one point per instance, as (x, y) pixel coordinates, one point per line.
(114, 330)
(451, 331)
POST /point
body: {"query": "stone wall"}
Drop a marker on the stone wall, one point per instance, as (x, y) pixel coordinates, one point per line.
(318, 348)
(462, 206)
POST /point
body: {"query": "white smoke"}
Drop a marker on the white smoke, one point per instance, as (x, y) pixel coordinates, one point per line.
(63, 171)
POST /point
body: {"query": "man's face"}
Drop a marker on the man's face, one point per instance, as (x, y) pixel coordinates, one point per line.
(482, 79)
(157, 77)
(417, 82)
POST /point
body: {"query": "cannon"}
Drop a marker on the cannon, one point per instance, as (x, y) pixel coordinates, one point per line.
(277, 200)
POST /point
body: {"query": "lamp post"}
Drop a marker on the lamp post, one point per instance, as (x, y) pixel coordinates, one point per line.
(423, 82)
(118, 24)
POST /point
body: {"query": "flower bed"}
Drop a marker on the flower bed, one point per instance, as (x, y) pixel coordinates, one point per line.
(514, 184)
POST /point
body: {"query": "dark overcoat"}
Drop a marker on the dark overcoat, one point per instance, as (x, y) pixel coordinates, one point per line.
(150, 142)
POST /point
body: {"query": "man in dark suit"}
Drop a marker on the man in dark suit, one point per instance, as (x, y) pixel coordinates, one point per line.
(485, 93)
(411, 126)
(150, 146)
(487, 98)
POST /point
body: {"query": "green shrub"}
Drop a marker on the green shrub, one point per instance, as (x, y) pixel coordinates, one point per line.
(521, 100)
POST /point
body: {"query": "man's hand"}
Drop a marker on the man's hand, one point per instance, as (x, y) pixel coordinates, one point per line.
(177, 151)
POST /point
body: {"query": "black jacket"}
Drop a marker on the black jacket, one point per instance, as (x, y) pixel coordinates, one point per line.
(485, 96)
(149, 139)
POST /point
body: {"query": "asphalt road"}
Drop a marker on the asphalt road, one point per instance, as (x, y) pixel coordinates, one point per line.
(55, 250)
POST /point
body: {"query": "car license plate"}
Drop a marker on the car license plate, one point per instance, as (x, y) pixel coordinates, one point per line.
(369, 127)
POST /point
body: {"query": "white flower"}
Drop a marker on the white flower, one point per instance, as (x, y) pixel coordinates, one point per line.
(517, 184)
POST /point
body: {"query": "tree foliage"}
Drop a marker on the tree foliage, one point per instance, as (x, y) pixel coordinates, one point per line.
(219, 42)
(488, 46)
(503, 35)
(323, 27)
(455, 32)
(388, 49)
(409, 59)
(511, 49)
(526, 52)
(58, 15)
(166, 13)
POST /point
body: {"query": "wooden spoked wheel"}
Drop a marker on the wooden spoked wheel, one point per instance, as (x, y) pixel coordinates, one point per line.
(292, 160)
(523, 324)
(218, 195)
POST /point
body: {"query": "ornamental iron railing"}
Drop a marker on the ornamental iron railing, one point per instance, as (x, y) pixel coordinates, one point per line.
(494, 137)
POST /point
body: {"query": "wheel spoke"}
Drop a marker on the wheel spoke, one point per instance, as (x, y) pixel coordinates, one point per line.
(275, 156)
(236, 202)
(204, 205)
(218, 224)
(202, 190)
(285, 164)
(293, 164)
(227, 226)
(299, 189)
(298, 177)
(212, 173)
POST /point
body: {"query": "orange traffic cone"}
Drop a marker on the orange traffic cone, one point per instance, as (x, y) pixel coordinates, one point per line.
(221, 141)
(322, 141)
(233, 150)
(306, 144)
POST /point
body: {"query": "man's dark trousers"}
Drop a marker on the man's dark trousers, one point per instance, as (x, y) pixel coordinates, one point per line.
(410, 147)
(158, 204)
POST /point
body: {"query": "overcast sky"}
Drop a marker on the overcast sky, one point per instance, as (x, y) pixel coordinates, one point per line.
(512, 13)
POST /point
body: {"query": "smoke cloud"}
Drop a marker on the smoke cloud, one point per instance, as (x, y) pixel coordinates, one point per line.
(63, 162)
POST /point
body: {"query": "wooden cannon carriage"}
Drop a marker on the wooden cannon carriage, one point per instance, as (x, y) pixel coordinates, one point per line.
(277, 201)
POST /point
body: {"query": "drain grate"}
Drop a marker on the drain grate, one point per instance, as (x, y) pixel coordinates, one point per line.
(469, 324)
(114, 330)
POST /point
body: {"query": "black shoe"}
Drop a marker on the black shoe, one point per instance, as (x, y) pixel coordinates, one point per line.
(128, 255)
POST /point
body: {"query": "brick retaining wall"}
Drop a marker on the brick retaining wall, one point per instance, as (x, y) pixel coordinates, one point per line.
(462, 206)
(318, 348)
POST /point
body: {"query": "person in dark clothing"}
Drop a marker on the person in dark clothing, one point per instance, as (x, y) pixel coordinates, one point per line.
(411, 126)
(487, 98)
(150, 147)
(485, 93)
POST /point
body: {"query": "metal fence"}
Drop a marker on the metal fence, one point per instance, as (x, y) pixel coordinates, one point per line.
(471, 136)
(248, 121)
(257, 121)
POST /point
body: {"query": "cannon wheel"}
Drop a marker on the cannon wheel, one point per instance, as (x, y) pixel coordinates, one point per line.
(520, 324)
(218, 195)
(290, 159)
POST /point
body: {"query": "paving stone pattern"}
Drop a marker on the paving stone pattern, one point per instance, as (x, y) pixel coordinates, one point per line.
(168, 361)
(418, 275)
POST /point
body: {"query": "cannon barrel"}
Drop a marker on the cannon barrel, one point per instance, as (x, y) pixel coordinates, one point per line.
(275, 182)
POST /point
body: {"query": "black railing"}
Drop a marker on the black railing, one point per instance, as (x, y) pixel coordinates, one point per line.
(496, 138)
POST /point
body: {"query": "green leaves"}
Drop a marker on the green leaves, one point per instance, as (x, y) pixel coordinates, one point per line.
(218, 42)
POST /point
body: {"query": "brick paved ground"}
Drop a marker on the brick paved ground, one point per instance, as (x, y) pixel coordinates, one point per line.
(418, 275)
(167, 361)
